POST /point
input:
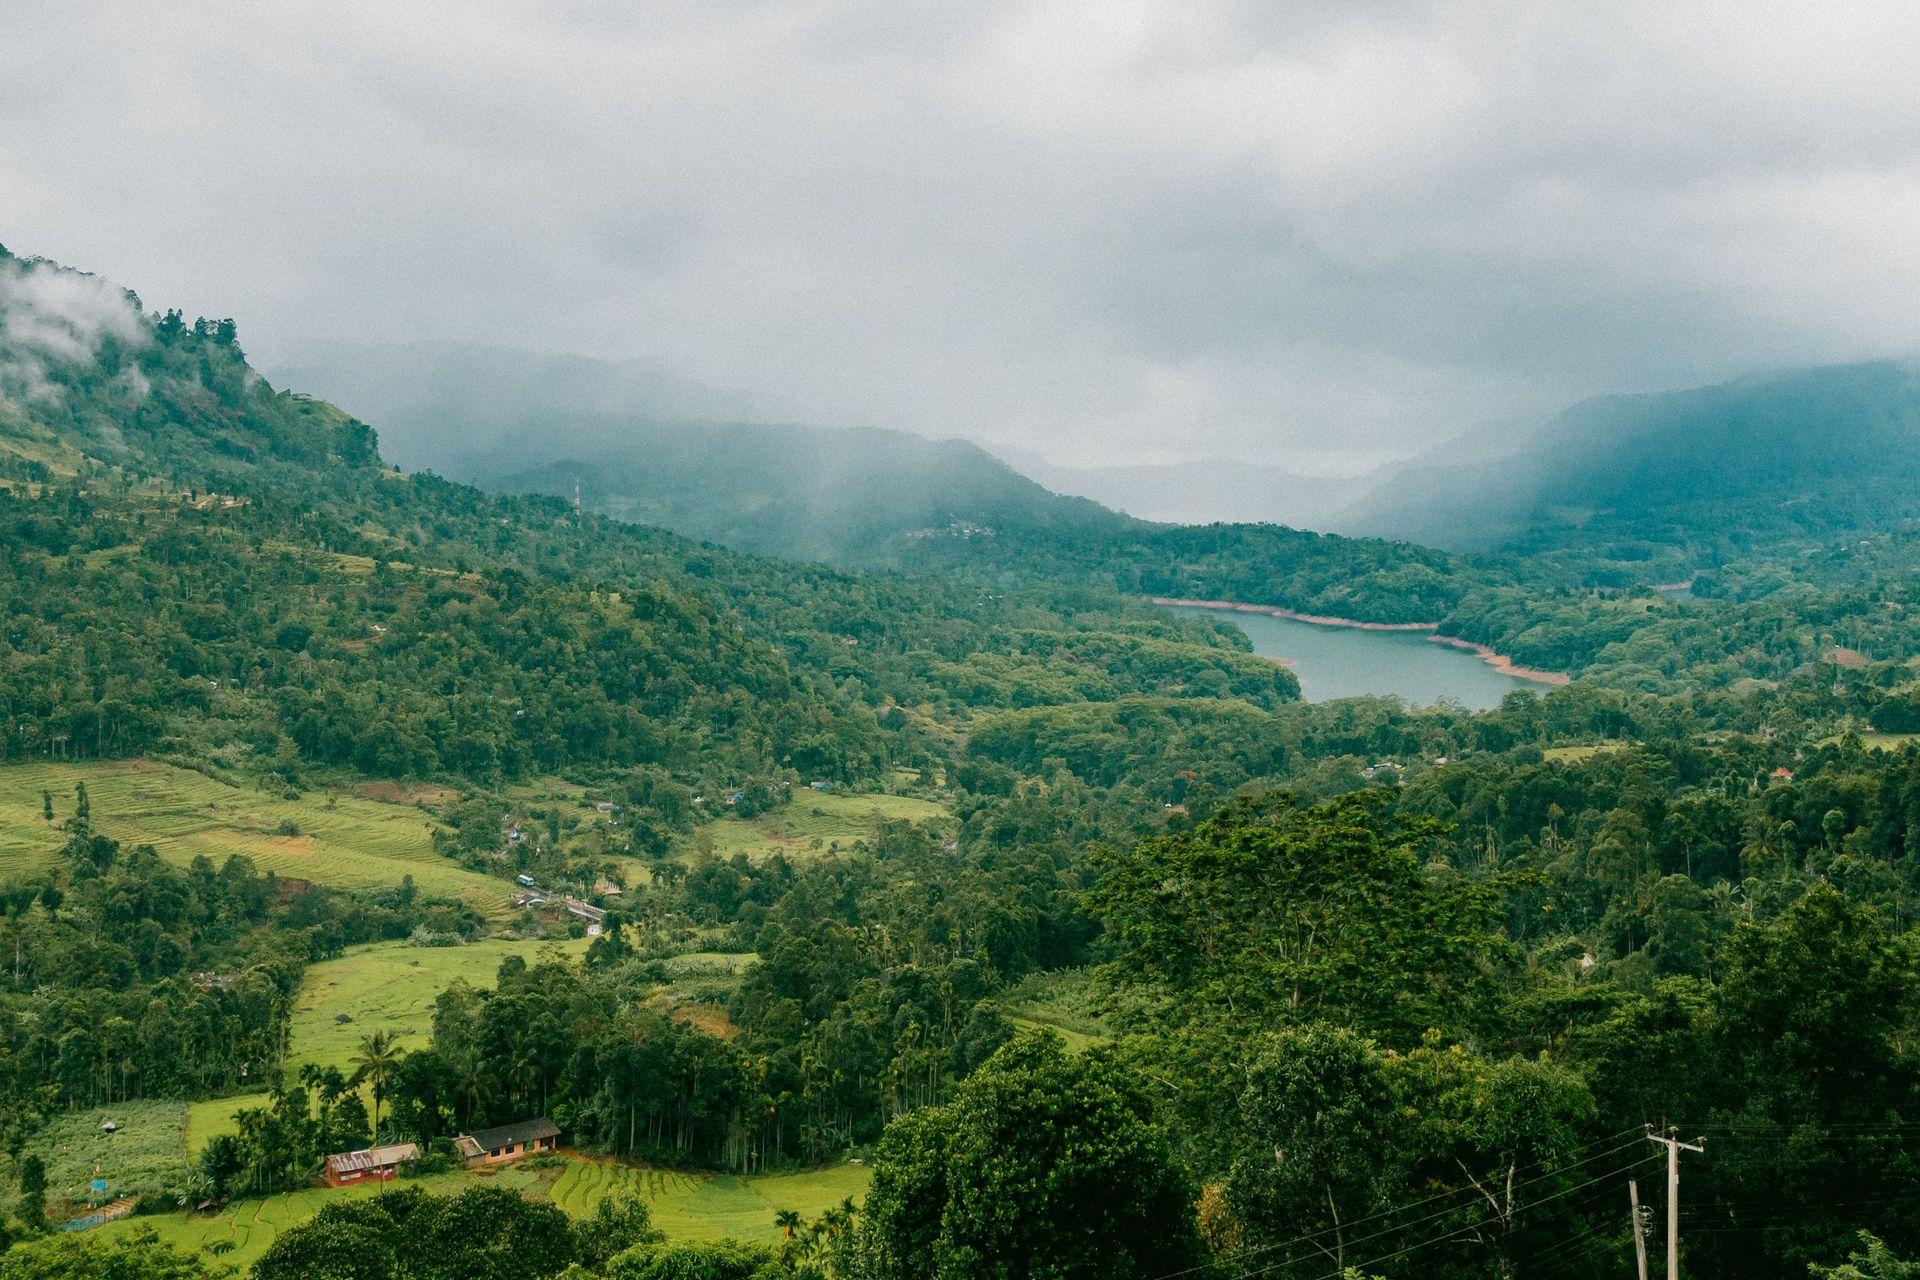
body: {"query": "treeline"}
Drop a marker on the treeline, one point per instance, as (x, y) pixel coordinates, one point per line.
(123, 976)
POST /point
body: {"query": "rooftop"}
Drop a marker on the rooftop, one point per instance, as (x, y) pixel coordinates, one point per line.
(508, 1135)
(372, 1158)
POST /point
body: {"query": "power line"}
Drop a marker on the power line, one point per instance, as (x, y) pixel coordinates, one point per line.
(1242, 1254)
(1448, 1235)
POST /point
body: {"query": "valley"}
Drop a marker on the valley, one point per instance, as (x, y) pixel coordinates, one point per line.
(890, 837)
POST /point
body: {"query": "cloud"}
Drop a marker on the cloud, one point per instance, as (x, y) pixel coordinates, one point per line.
(50, 317)
(1093, 229)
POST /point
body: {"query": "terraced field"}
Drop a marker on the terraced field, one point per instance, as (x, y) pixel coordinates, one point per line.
(240, 1234)
(345, 841)
(811, 824)
(383, 986)
(1064, 1002)
(687, 1206)
(708, 1206)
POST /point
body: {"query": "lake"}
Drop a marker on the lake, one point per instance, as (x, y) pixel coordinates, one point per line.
(1345, 662)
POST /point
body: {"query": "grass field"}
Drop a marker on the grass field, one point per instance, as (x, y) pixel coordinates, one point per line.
(384, 986)
(1877, 741)
(686, 1206)
(145, 1153)
(811, 824)
(708, 1206)
(1569, 754)
(1063, 1002)
(345, 841)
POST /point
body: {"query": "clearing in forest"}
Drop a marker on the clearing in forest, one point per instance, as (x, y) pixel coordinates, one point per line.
(343, 841)
(811, 824)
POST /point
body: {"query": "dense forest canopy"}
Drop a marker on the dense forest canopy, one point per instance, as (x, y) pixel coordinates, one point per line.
(1150, 967)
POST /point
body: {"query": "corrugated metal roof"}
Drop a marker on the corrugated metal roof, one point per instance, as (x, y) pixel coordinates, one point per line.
(372, 1158)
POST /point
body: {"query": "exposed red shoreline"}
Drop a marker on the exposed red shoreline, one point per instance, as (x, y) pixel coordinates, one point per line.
(1498, 661)
(1318, 620)
(1502, 663)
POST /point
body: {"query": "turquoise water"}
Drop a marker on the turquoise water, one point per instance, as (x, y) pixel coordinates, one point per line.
(1343, 662)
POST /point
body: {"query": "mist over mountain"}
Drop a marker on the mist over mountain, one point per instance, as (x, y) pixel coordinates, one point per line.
(1205, 490)
(645, 445)
(441, 405)
(1762, 458)
(850, 496)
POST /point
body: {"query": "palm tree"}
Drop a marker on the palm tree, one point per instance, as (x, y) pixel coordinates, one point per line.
(374, 1064)
(788, 1221)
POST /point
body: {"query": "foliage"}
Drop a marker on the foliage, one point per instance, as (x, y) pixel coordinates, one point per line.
(1042, 1164)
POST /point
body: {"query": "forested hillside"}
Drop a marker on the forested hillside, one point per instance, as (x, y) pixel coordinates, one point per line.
(1678, 481)
(972, 920)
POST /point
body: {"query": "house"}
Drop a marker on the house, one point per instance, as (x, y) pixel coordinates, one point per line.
(1782, 774)
(821, 786)
(508, 1142)
(373, 1164)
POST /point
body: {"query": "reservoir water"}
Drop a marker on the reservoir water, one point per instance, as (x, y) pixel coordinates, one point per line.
(1345, 662)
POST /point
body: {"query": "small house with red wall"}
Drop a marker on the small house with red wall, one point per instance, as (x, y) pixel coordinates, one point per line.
(375, 1164)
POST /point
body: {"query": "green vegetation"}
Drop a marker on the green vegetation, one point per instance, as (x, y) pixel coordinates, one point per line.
(1344, 985)
(813, 821)
(343, 842)
(144, 1153)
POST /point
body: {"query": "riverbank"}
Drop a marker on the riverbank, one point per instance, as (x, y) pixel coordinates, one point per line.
(1498, 661)
(1318, 620)
(1502, 663)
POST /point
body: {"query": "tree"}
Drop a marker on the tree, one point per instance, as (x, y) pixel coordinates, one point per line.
(723, 1260)
(1318, 1115)
(1872, 1261)
(374, 1065)
(619, 1223)
(140, 1256)
(1277, 910)
(484, 1233)
(33, 1191)
(1042, 1165)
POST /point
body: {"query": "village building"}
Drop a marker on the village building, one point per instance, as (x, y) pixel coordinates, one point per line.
(507, 1142)
(371, 1165)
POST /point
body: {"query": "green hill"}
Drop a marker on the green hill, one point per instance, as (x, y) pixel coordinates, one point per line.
(1680, 479)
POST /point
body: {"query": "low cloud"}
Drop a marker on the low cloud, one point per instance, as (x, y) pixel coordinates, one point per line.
(50, 317)
(1091, 229)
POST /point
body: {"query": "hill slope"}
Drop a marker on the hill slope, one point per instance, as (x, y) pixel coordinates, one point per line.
(206, 566)
(1710, 471)
(642, 445)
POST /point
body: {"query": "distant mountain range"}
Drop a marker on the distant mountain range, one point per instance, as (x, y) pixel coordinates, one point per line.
(1649, 487)
(1762, 459)
(440, 405)
(638, 443)
(1205, 491)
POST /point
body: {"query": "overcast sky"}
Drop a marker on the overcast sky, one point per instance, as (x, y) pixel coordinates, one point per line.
(1109, 230)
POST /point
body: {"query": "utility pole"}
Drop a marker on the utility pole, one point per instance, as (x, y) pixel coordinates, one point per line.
(1671, 1141)
(1639, 1226)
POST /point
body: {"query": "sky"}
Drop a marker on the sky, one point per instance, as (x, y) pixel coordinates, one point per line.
(1309, 234)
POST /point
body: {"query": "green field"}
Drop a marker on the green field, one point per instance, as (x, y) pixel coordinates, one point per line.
(687, 1206)
(811, 824)
(1572, 754)
(1064, 1002)
(1877, 741)
(383, 986)
(708, 1206)
(144, 1153)
(345, 841)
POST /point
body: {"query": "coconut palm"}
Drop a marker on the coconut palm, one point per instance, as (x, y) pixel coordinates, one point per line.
(788, 1220)
(374, 1065)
